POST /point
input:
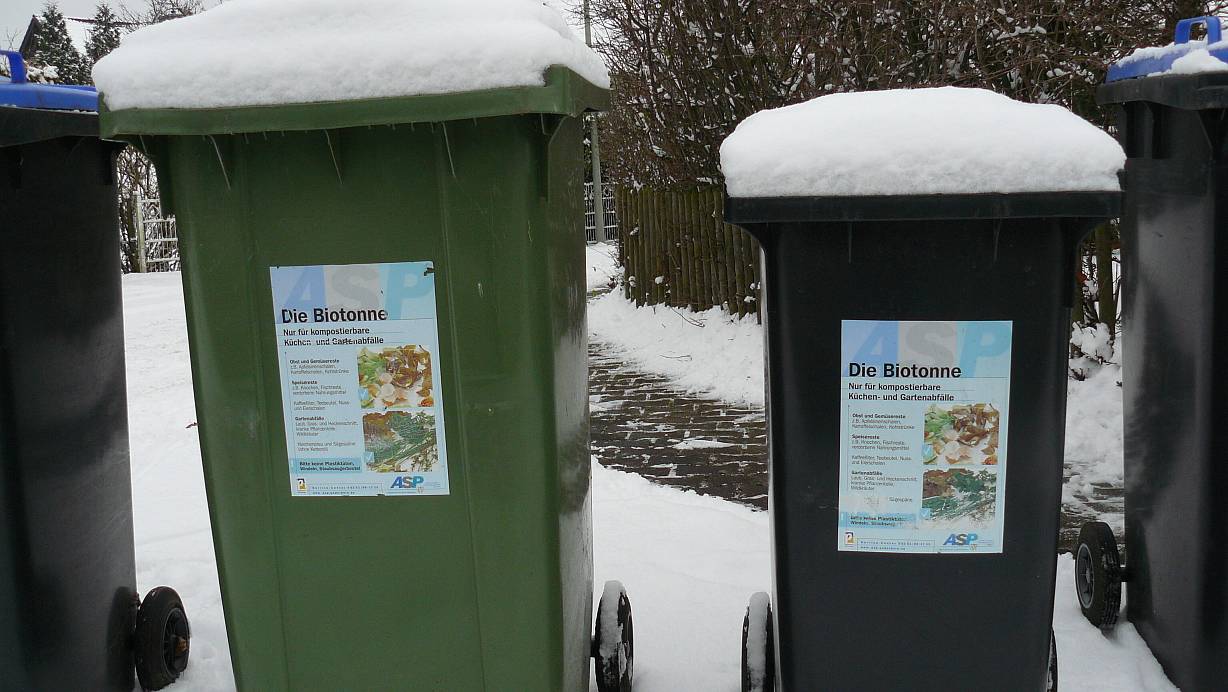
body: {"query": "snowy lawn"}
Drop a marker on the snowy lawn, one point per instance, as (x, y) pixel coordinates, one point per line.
(707, 353)
(174, 545)
(690, 563)
(601, 263)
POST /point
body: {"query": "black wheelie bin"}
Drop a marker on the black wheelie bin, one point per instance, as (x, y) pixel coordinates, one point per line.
(1172, 108)
(916, 332)
(70, 616)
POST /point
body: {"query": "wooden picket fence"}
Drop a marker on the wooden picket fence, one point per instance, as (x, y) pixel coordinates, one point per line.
(676, 250)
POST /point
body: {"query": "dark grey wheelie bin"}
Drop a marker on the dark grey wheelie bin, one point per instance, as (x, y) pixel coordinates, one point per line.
(889, 378)
(69, 611)
(1175, 268)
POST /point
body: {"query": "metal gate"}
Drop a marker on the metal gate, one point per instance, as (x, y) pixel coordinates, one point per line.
(157, 239)
(607, 231)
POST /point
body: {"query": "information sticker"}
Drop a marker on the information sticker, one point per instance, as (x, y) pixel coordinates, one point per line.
(923, 436)
(358, 348)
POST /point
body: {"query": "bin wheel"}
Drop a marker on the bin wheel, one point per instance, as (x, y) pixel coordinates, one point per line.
(163, 638)
(1051, 678)
(758, 646)
(614, 640)
(1098, 575)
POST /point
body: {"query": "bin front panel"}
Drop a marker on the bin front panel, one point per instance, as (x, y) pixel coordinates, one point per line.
(855, 620)
(483, 588)
(1175, 466)
(67, 569)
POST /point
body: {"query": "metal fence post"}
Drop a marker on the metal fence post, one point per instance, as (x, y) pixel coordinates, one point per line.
(140, 234)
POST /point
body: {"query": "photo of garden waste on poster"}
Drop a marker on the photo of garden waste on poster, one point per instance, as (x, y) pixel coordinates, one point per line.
(923, 436)
(358, 351)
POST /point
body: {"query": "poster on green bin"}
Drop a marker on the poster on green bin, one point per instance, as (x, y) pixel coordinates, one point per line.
(358, 352)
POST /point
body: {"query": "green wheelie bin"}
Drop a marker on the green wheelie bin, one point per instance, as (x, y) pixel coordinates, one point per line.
(386, 314)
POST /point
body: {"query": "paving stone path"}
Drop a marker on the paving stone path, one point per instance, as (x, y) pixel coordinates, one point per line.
(643, 423)
(1101, 501)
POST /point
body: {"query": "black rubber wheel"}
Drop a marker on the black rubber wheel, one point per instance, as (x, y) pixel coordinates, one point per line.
(163, 638)
(614, 640)
(758, 660)
(1098, 575)
(1051, 679)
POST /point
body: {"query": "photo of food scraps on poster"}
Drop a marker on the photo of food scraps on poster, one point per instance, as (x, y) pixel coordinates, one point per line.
(358, 348)
(923, 436)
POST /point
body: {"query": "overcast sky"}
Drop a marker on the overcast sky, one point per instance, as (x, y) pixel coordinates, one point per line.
(15, 16)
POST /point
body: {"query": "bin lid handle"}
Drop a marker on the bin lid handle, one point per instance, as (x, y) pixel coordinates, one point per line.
(1133, 65)
(1182, 34)
(17, 66)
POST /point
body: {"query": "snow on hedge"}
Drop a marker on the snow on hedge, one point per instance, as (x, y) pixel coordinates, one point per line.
(601, 263)
(944, 140)
(271, 52)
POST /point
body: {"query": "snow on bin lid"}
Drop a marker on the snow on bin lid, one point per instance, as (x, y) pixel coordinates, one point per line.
(281, 52)
(16, 91)
(1182, 56)
(943, 140)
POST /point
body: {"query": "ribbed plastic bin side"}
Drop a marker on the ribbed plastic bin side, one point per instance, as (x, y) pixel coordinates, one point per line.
(1174, 273)
(483, 581)
(855, 608)
(67, 565)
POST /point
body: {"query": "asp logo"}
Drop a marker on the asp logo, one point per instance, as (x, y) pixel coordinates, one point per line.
(961, 539)
(407, 482)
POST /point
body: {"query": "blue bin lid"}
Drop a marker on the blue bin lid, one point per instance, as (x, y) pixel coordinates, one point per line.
(18, 92)
(1162, 61)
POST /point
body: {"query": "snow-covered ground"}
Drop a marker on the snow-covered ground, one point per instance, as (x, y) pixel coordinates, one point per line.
(690, 563)
(174, 545)
(1094, 448)
(601, 263)
(707, 353)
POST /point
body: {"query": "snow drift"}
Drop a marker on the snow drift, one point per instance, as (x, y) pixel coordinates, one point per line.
(946, 140)
(274, 52)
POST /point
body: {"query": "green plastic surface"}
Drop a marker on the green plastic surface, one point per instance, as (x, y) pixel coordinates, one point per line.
(490, 587)
(565, 93)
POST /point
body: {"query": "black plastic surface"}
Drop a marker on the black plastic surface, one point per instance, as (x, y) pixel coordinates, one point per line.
(1186, 91)
(863, 621)
(27, 125)
(931, 207)
(67, 570)
(1176, 403)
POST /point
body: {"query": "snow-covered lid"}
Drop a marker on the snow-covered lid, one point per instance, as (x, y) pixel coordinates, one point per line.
(282, 52)
(1182, 56)
(17, 91)
(934, 141)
